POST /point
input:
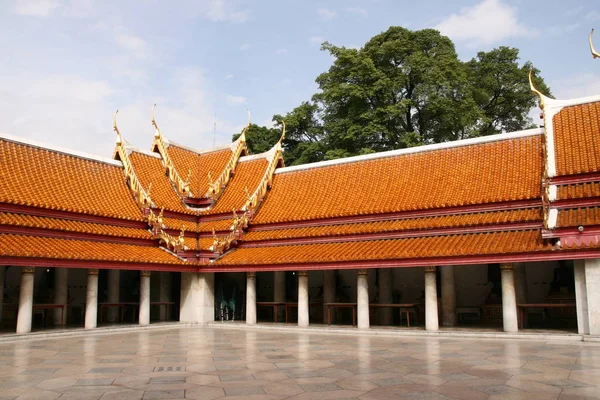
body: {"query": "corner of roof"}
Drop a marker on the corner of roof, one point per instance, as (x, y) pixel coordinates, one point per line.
(57, 149)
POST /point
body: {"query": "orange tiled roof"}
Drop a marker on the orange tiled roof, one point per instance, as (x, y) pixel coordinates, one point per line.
(149, 170)
(195, 244)
(578, 191)
(577, 139)
(585, 216)
(49, 179)
(248, 174)
(496, 171)
(445, 221)
(424, 247)
(32, 221)
(174, 223)
(217, 225)
(200, 164)
(31, 246)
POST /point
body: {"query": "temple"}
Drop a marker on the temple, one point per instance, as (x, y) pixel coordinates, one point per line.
(502, 230)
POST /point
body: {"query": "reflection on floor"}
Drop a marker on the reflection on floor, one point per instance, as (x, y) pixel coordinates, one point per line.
(208, 363)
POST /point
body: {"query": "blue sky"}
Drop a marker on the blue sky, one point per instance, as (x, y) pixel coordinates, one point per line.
(68, 64)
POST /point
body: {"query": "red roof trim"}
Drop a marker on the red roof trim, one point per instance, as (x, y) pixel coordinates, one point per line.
(576, 203)
(574, 179)
(408, 263)
(67, 263)
(512, 205)
(53, 233)
(43, 212)
(393, 235)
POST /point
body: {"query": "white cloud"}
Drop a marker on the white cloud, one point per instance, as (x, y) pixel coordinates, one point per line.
(487, 22)
(326, 14)
(222, 10)
(136, 45)
(244, 47)
(357, 11)
(268, 123)
(235, 99)
(229, 76)
(578, 85)
(36, 8)
(281, 51)
(593, 15)
(316, 39)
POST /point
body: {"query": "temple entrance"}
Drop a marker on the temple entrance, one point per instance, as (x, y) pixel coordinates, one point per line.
(230, 296)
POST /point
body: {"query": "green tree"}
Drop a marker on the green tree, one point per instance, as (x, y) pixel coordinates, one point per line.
(260, 138)
(403, 88)
(500, 87)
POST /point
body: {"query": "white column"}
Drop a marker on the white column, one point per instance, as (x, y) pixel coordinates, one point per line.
(509, 299)
(25, 314)
(592, 282)
(521, 283)
(362, 299)
(328, 291)
(303, 298)
(251, 298)
(448, 296)
(2, 278)
(164, 294)
(61, 292)
(91, 303)
(581, 298)
(385, 294)
(279, 290)
(114, 289)
(431, 304)
(197, 297)
(144, 316)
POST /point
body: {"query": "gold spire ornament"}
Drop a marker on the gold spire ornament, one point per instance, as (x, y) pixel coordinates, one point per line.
(183, 187)
(595, 53)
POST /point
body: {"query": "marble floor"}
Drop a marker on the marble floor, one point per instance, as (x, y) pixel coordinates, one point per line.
(209, 363)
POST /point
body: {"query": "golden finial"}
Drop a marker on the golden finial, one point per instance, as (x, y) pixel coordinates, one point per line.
(248, 197)
(156, 130)
(595, 53)
(535, 90)
(282, 138)
(119, 137)
(249, 117)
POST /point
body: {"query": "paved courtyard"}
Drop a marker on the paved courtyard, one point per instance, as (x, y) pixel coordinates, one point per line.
(211, 363)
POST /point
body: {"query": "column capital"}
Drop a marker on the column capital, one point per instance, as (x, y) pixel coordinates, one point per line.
(302, 273)
(430, 268)
(362, 272)
(507, 266)
(145, 273)
(93, 271)
(250, 274)
(27, 270)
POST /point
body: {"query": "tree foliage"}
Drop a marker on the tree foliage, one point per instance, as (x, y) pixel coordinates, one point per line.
(404, 88)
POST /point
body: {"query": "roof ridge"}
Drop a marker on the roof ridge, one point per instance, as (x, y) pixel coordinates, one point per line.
(199, 152)
(58, 149)
(417, 149)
